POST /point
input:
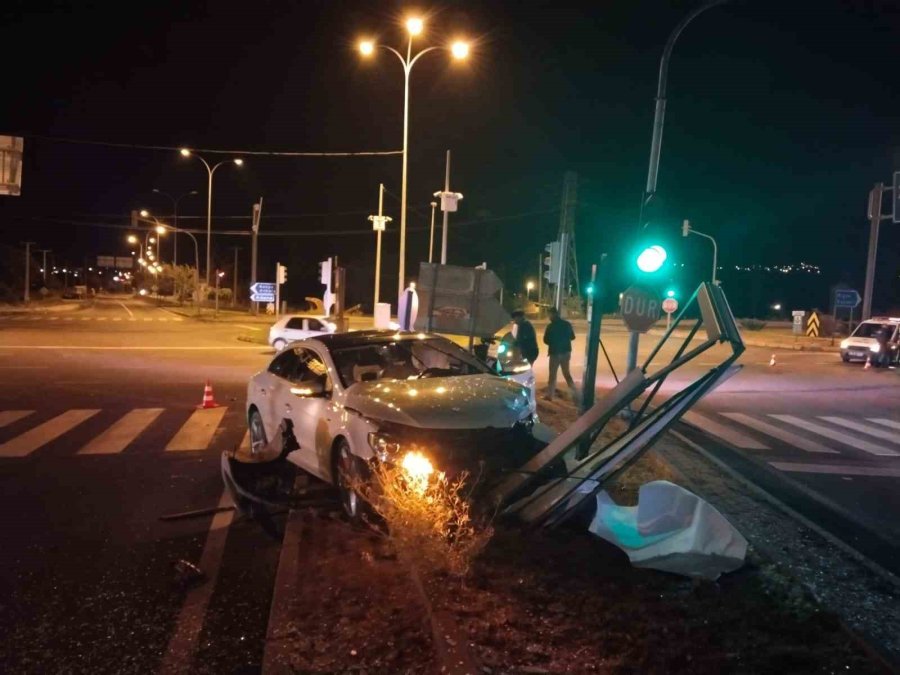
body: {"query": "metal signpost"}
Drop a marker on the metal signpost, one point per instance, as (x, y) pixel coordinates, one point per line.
(844, 298)
(669, 306)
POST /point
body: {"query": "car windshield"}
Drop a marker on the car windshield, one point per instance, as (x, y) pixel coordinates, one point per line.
(403, 360)
(871, 329)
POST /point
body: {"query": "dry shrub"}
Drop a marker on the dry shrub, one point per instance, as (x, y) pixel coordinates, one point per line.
(428, 518)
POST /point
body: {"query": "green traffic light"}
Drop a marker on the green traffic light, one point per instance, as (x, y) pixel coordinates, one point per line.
(651, 258)
(670, 293)
(590, 289)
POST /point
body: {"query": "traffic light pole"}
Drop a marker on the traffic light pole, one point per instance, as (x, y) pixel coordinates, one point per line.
(277, 289)
(875, 218)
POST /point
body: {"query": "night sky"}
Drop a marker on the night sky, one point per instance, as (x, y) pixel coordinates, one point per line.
(781, 116)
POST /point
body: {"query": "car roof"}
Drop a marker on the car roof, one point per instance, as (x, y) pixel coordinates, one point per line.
(883, 319)
(360, 338)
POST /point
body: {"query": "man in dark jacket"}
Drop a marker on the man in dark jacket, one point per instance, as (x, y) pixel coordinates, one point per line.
(558, 337)
(525, 336)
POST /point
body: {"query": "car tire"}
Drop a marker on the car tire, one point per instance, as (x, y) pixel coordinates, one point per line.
(845, 358)
(347, 471)
(257, 429)
(279, 344)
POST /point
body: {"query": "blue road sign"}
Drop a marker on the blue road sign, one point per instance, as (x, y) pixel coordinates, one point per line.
(846, 298)
(262, 291)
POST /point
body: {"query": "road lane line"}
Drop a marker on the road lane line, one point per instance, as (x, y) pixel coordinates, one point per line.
(184, 640)
(837, 469)
(727, 434)
(9, 416)
(198, 431)
(177, 318)
(148, 318)
(833, 434)
(117, 318)
(241, 325)
(159, 318)
(886, 422)
(31, 440)
(86, 318)
(891, 436)
(780, 434)
(52, 318)
(130, 313)
(68, 318)
(101, 318)
(122, 433)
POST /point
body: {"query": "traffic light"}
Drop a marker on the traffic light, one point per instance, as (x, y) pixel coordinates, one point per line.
(590, 289)
(325, 272)
(651, 258)
(685, 228)
(670, 292)
(281, 273)
(552, 262)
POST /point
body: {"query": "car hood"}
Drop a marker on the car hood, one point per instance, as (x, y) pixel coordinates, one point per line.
(464, 402)
(860, 342)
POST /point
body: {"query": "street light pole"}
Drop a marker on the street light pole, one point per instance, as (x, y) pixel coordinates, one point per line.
(45, 251)
(460, 50)
(175, 220)
(28, 245)
(210, 170)
(656, 140)
(686, 229)
(431, 238)
(379, 224)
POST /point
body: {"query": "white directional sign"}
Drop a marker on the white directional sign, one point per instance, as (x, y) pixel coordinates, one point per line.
(262, 291)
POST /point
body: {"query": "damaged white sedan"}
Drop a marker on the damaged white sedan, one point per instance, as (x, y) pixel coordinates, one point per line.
(345, 400)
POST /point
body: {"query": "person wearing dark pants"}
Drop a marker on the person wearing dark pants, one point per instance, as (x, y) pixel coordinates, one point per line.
(525, 336)
(558, 337)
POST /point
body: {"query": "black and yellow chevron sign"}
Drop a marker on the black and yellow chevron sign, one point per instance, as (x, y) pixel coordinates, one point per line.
(812, 325)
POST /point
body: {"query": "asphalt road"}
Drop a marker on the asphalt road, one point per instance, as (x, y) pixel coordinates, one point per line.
(100, 436)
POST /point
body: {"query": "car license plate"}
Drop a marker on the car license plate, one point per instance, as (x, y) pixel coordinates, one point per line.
(856, 354)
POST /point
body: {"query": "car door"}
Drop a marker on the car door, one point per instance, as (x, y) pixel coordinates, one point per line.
(313, 414)
(295, 329)
(268, 389)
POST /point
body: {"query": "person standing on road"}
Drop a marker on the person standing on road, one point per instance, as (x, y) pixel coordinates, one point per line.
(525, 336)
(558, 337)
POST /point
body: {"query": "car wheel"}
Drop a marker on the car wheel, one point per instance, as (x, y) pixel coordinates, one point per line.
(348, 473)
(279, 344)
(845, 358)
(258, 438)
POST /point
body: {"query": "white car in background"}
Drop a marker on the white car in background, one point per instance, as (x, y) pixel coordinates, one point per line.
(376, 395)
(875, 339)
(293, 327)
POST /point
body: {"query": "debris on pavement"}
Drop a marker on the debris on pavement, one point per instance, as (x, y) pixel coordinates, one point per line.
(672, 530)
(188, 574)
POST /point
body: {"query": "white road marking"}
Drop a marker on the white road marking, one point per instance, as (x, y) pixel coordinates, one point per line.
(124, 431)
(886, 422)
(177, 318)
(130, 313)
(52, 318)
(183, 643)
(891, 436)
(86, 318)
(31, 440)
(161, 319)
(240, 325)
(101, 318)
(727, 434)
(198, 431)
(117, 318)
(837, 469)
(131, 318)
(838, 436)
(148, 318)
(68, 318)
(780, 434)
(9, 416)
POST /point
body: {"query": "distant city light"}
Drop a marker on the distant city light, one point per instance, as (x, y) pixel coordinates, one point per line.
(777, 306)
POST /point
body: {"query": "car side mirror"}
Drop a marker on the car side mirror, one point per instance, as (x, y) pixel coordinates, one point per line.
(309, 390)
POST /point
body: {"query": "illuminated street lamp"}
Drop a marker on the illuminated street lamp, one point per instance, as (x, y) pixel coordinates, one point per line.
(460, 50)
(210, 170)
(528, 288)
(162, 228)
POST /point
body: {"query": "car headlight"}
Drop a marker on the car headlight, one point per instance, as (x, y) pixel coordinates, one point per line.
(875, 348)
(845, 344)
(384, 447)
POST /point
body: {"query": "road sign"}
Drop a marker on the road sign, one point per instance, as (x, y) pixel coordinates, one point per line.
(670, 305)
(812, 325)
(640, 308)
(459, 300)
(262, 291)
(846, 297)
(798, 315)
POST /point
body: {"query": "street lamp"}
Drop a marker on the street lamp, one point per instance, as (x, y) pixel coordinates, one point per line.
(210, 170)
(175, 219)
(686, 229)
(459, 50)
(162, 228)
(219, 275)
(528, 288)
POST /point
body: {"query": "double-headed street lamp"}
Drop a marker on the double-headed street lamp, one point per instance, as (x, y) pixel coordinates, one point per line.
(459, 50)
(175, 202)
(185, 152)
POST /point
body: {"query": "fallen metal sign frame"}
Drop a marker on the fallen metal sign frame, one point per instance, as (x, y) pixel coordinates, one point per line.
(554, 484)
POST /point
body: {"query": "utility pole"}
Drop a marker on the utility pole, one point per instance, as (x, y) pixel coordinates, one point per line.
(875, 218)
(449, 202)
(28, 245)
(235, 283)
(431, 238)
(379, 223)
(257, 214)
(45, 251)
(569, 261)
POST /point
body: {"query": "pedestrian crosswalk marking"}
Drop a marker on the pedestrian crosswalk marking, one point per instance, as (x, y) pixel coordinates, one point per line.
(198, 431)
(31, 440)
(727, 434)
(781, 434)
(836, 435)
(891, 436)
(122, 433)
(9, 416)
(837, 469)
(886, 422)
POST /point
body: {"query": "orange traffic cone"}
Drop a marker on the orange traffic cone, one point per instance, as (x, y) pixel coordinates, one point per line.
(208, 400)
(868, 363)
(772, 360)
